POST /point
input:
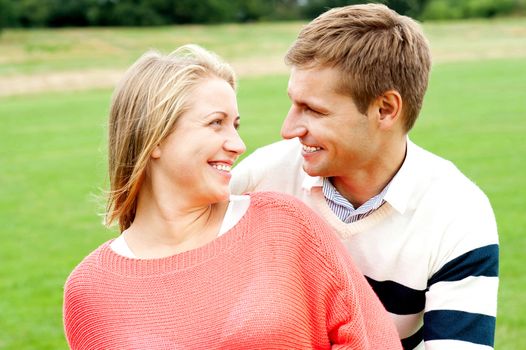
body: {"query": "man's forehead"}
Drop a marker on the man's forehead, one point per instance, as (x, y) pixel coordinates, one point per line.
(313, 81)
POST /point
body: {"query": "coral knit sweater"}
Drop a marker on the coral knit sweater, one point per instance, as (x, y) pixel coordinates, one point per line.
(279, 279)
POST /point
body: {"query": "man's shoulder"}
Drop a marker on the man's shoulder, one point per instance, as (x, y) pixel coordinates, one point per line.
(446, 179)
(430, 161)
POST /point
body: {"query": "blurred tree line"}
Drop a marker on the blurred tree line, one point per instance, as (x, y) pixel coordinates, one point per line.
(61, 13)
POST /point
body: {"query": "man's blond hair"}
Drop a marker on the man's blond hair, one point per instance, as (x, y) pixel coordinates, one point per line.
(146, 104)
(374, 48)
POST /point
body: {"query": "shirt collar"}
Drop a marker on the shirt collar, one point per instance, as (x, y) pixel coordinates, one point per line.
(311, 181)
(402, 184)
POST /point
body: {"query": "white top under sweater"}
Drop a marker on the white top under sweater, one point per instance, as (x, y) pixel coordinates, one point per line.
(430, 252)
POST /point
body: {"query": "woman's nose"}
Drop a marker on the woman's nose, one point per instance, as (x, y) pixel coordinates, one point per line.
(235, 144)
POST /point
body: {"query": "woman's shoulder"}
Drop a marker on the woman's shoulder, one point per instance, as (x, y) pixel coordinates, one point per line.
(289, 212)
(87, 266)
(286, 205)
(278, 200)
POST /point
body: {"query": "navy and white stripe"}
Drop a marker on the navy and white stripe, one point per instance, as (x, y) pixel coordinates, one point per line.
(344, 209)
(457, 326)
(472, 274)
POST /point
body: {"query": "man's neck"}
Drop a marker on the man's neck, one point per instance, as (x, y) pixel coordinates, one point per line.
(363, 184)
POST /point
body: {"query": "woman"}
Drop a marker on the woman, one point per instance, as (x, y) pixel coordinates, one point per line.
(194, 267)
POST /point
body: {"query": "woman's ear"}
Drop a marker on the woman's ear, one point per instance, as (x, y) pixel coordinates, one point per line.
(156, 153)
(389, 107)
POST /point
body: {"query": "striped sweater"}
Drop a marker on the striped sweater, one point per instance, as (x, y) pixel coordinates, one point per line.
(279, 279)
(430, 252)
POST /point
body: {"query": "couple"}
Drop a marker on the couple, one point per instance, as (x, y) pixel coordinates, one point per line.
(197, 267)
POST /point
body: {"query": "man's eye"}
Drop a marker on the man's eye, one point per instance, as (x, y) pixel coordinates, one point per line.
(312, 111)
(217, 122)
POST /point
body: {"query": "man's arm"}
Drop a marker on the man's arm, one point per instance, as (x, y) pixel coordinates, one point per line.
(242, 179)
(461, 301)
(275, 167)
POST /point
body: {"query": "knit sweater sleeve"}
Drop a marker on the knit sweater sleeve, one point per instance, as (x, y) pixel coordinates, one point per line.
(461, 299)
(355, 318)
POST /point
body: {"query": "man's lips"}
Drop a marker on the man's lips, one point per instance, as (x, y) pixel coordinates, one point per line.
(310, 149)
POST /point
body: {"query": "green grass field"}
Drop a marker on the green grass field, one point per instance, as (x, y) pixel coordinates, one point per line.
(52, 150)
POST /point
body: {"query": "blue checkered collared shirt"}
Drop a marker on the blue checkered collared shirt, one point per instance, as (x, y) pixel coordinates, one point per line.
(344, 209)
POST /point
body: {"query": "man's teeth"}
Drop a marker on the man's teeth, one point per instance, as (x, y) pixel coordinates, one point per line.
(222, 167)
(310, 149)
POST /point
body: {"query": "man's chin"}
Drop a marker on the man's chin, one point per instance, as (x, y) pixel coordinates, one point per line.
(311, 170)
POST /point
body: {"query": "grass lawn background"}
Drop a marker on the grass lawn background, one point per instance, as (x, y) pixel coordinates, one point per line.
(53, 157)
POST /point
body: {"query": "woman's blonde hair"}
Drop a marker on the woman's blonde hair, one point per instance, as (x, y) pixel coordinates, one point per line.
(145, 107)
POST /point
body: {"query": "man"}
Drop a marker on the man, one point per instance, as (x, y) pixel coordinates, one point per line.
(423, 234)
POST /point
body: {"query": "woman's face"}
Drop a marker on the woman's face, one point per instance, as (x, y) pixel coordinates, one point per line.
(193, 163)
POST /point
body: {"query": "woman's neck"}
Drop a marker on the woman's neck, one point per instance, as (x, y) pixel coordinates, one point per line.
(165, 228)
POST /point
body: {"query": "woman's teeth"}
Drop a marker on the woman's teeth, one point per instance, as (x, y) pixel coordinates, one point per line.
(222, 167)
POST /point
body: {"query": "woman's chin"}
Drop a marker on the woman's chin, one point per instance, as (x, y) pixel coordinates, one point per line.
(219, 196)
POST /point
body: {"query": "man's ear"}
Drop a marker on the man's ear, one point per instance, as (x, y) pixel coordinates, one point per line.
(388, 108)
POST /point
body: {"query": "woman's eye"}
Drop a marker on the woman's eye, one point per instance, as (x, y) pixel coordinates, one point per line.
(217, 122)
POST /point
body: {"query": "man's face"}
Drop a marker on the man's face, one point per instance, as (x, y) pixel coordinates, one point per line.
(336, 137)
